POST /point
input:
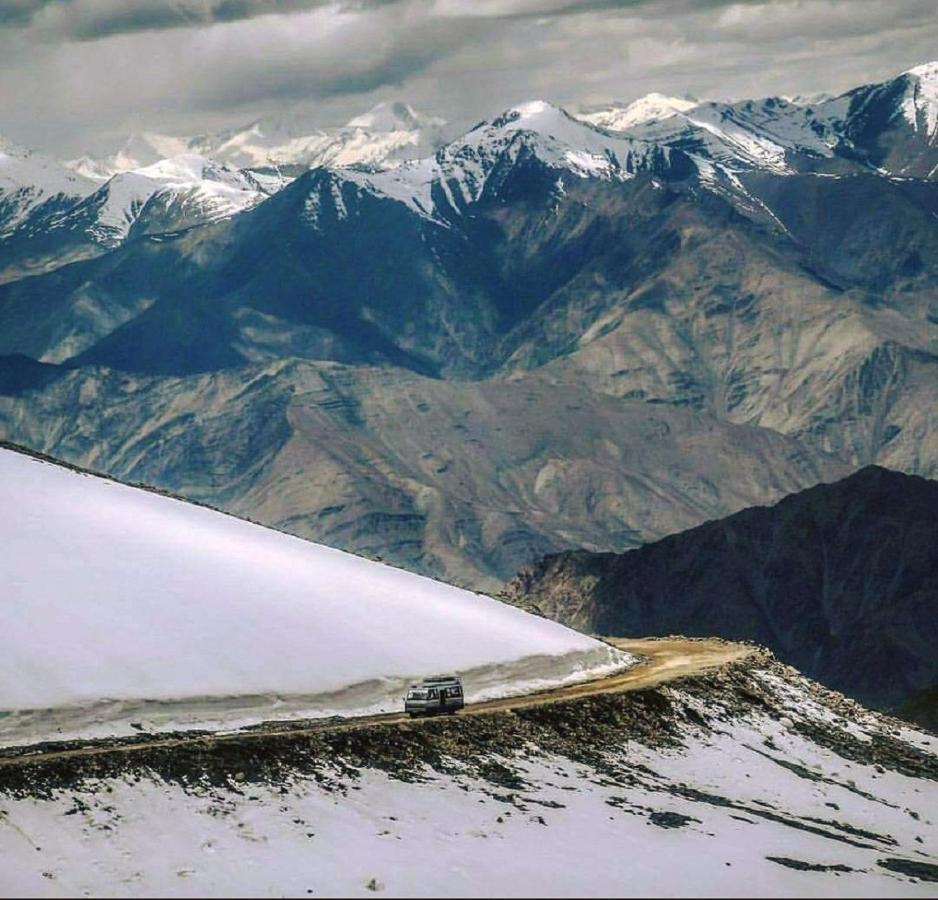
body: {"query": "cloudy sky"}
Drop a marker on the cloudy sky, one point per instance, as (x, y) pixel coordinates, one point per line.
(76, 74)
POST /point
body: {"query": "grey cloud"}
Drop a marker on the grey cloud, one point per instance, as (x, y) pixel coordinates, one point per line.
(20, 12)
(88, 20)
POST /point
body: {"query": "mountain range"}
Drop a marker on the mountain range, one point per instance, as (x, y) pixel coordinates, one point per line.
(552, 332)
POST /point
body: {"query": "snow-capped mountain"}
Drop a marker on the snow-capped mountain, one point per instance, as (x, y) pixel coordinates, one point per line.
(34, 185)
(721, 142)
(783, 136)
(138, 151)
(46, 226)
(386, 133)
(477, 164)
(651, 107)
(173, 193)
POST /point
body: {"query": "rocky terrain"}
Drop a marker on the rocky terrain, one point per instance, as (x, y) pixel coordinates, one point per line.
(840, 580)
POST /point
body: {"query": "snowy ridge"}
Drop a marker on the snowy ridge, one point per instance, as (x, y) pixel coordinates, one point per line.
(774, 133)
(460, 172)
(198, 189)
(28, 180)
(153, 607)
(749, 135)
(651, 107)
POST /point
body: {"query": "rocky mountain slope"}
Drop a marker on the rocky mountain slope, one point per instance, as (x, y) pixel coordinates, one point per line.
(840, 580)
(767, 264)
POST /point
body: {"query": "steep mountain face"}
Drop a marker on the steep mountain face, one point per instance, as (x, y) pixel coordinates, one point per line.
(747, 262)
(464, 481)
(840, 580)
(830, 335)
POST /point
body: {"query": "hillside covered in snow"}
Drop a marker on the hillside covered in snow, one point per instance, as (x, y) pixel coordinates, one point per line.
(121, 605)
(748, 781)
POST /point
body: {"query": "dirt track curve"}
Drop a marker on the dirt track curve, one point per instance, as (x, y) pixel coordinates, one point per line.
(662, 660)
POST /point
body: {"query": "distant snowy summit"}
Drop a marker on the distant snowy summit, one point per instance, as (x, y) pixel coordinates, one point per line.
(650, 108)
(387, 132)
(889, 127)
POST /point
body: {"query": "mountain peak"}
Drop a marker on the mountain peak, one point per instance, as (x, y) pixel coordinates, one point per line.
(394, 116)
(925, 72)
(652, 107)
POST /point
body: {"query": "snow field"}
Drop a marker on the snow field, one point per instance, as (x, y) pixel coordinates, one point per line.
(118, 603)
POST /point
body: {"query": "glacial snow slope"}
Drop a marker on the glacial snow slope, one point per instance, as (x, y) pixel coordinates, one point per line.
(746, 782)
(119, 603)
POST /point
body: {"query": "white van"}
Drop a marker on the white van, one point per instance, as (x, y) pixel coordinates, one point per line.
(434, 696)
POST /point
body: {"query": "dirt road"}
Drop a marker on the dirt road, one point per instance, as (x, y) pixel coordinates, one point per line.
(662, 660)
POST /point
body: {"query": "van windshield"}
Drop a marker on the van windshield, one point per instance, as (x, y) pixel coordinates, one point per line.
(417, 695)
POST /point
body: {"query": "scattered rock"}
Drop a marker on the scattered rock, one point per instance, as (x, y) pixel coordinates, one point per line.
(913, 868)
(803, 866)
(664, 819)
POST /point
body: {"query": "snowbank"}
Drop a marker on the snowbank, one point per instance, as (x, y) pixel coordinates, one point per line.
(120, 605)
